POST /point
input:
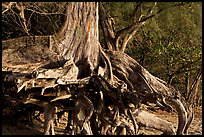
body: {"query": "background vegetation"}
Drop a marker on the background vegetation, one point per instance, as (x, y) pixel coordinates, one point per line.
(169, 45)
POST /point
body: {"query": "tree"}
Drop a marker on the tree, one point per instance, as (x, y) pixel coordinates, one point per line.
(170, 51)
(114, 73)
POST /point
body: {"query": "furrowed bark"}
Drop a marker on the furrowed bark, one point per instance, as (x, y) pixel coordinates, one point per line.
(79, 37)
(107, 28)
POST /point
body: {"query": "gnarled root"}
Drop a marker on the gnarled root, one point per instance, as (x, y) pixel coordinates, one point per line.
(49, 125)
(185, 115)
(146, 84)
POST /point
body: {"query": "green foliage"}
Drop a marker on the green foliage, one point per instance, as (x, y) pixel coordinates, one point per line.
(169, 44)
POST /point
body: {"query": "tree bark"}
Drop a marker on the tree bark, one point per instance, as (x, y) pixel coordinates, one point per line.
(147, 86)
(108, 29)
(78, 38)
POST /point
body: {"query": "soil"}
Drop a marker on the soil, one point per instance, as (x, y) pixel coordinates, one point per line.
(194, 129)
(12, 128)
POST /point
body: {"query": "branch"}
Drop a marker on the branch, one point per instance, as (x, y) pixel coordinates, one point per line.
(128, 37)
(44, 13)
(21, 8)
(159, 11)
(8, 7)
(193, 92)
(181, 70)
(137, 12)
(132, 29)
(107, 28)
(126, 30)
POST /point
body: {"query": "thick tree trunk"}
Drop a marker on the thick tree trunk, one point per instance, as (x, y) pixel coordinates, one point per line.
(78, 38)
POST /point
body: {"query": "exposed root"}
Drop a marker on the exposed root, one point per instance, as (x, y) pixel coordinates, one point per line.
(148, 85)
(103, 100)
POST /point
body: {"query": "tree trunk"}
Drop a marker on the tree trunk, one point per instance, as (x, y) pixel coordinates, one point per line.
(78, 38)
(107, 28)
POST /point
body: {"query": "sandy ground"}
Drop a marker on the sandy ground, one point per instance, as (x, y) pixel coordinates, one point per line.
(10, 128)
(194, 129)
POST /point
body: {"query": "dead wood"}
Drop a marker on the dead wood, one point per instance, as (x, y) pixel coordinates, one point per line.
(57, 83)
(72, 72)
(148, 85)
(152, 121)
